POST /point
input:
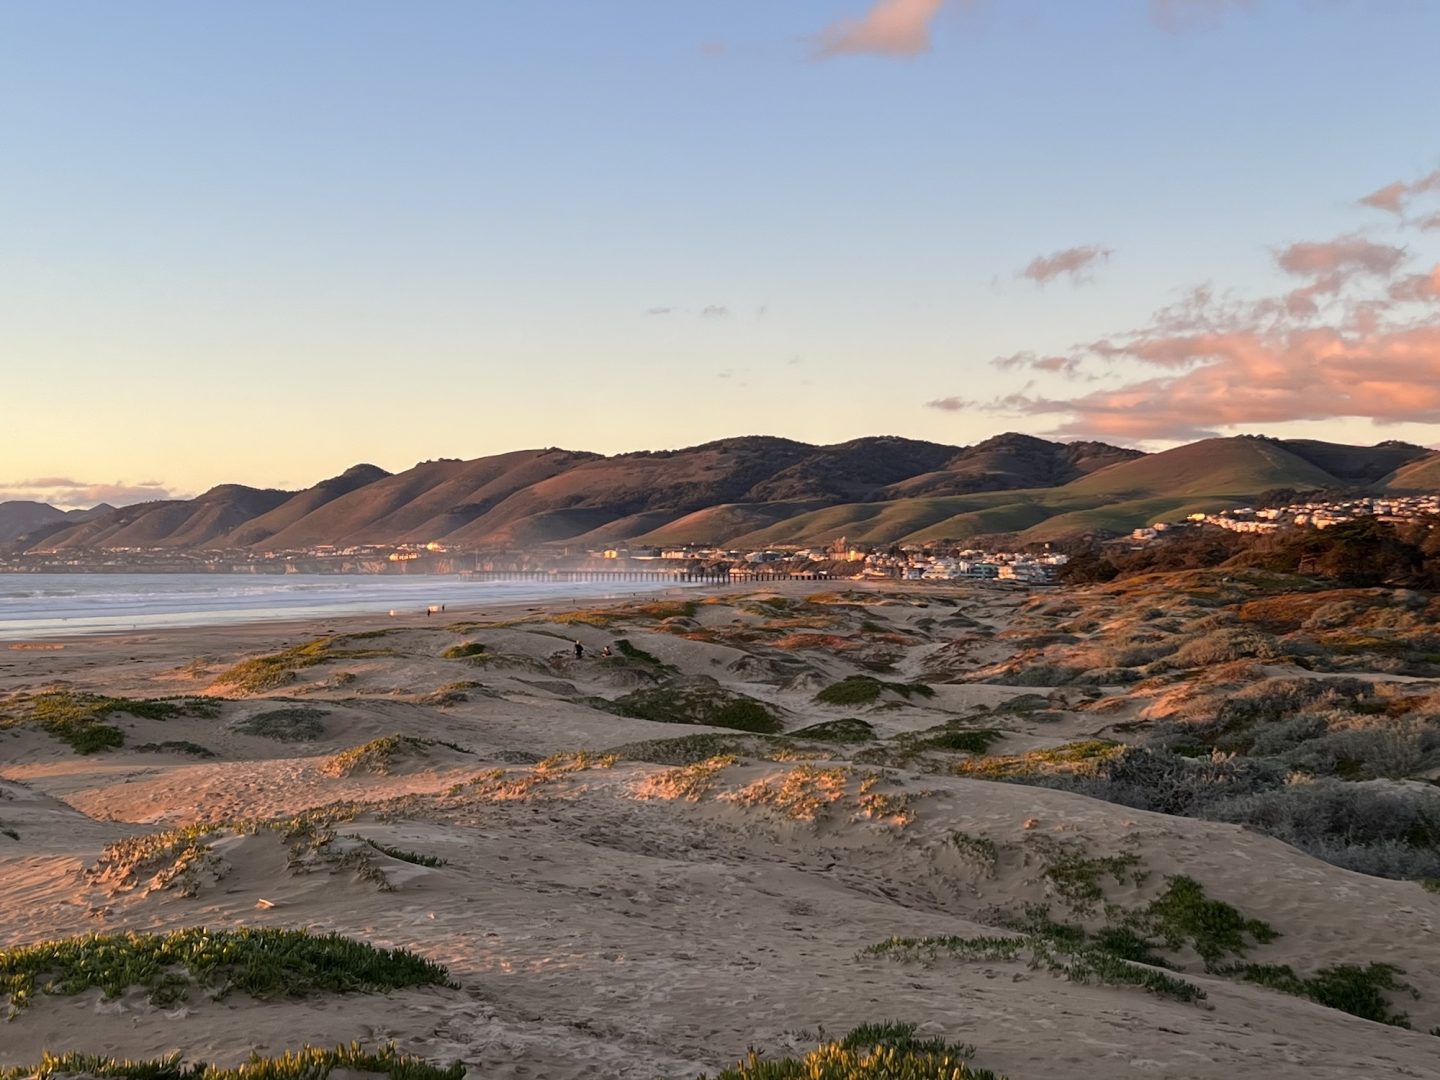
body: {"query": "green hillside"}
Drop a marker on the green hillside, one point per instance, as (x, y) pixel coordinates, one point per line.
(1121, 517)
(1238, 466)
(1418, 476)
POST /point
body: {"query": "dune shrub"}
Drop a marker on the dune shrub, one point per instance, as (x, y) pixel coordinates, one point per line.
(264, 963)
(308, 1063)
(460, 652)
(300, 723)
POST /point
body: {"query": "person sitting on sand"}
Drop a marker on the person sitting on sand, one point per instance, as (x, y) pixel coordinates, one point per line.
(579, 651)
(605, 651)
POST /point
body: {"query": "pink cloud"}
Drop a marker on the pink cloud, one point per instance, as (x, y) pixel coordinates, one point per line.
(1333, 260)
(1076, 262)
(1429, 223)
(1178, 16)
(1390, 198)
(1417, 287)
(889, 28)
(1249, 377)
(1396, 198)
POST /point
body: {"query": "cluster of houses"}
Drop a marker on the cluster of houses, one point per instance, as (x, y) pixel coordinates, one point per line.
(905, 563)
(1314, 515)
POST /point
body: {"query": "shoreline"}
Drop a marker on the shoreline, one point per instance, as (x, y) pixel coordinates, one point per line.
(141, 654)
(219, 618)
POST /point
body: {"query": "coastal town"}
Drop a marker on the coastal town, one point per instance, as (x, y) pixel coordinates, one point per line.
(1313, 515)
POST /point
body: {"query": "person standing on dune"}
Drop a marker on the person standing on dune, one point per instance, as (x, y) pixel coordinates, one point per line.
(579, 651)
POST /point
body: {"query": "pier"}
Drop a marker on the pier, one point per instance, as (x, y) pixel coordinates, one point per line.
(696, 577)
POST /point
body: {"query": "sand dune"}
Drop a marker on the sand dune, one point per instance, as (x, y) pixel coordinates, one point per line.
(632, 915)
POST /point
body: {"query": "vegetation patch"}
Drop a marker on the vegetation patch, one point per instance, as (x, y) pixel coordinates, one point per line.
(689, 749)
(1071, 757)
(1082, 963)
(175, 746)
(308, 1063)
(177, 858)
(689, 782)
(1076, 877)
(501, 785)
(1360, 991)
(699, 703)
(968, 741)
(414, 857)
(633, 652)
(866, 690)
(264, 963)
(299, 723)
(885, 1051)
(78, 719)
(980, 850)
(380, 756)
(460, 652)
(802, 793)
(808, 792)
(455, 693)
(1183, 914)
(262, 673)
(847, 731)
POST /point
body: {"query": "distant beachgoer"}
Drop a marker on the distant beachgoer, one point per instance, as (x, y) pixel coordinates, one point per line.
(605, 651)
(579, 651)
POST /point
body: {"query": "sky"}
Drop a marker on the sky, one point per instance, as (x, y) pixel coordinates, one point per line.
(262, 242)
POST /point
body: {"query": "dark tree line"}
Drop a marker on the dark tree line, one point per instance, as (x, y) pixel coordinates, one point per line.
(1362, 553)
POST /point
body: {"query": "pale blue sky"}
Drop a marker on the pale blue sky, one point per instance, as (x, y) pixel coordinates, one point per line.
(263, 241)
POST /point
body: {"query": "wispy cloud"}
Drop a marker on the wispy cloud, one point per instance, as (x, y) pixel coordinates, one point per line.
(709, 311)
(903, 28)
(68, 493)
(951, 404)
(1077, 263)
(1395, 198)
(1360, 338)
(1183, 16)
(890, 28)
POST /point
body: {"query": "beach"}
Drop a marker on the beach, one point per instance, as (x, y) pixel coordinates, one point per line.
(618, 890)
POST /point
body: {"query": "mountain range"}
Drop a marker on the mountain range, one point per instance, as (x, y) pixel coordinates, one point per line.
(751, 491)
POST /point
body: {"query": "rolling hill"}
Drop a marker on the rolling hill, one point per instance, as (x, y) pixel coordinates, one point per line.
(752, 491)
(1422, 474)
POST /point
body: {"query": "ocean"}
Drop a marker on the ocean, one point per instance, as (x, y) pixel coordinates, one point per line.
(39, 606)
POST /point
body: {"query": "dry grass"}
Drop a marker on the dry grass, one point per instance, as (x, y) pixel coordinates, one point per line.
(689, 782)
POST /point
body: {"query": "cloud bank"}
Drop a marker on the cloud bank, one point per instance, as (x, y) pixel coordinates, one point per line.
(1359, 337)
(68, 494)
